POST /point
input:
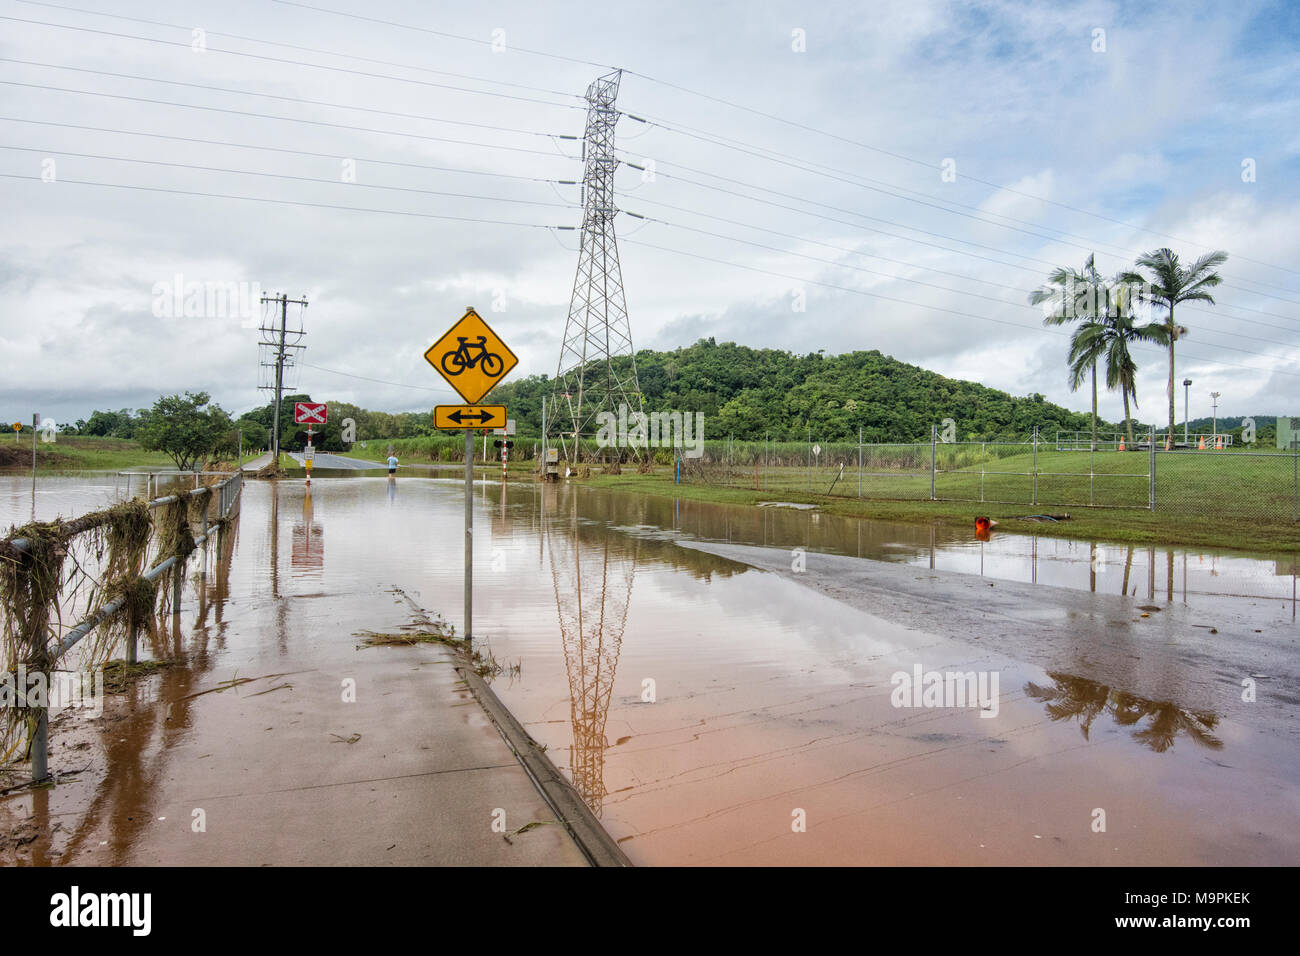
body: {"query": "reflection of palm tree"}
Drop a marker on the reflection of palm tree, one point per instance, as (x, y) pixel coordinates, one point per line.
(592, 604)
(1078, 698)
(1072, 698)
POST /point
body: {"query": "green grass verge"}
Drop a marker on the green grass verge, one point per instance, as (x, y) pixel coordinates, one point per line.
(1204, 509)
(71, 453)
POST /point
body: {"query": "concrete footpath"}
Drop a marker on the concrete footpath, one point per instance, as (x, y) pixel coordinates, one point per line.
(281, 771)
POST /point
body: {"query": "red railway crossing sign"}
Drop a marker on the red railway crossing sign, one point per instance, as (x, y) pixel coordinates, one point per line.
(309, 413)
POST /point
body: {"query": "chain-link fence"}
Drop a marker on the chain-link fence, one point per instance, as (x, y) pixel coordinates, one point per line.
(1034, 472)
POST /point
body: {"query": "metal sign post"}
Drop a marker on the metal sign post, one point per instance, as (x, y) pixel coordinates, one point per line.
(469, 537)
(308, 454)
(473, 359)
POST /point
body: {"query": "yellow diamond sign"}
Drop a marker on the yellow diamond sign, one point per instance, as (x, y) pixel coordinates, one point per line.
(471, 357)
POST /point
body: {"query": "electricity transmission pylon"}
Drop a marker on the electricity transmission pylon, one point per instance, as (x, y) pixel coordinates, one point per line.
(597, 367)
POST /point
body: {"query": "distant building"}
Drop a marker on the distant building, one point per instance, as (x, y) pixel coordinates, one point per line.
(1288, 433)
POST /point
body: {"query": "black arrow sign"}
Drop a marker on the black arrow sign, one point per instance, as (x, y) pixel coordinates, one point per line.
(481, 417)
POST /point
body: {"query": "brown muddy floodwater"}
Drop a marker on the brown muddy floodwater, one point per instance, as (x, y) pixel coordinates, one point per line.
(712, 713)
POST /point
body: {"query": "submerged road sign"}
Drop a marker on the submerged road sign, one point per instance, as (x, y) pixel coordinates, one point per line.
(469, 416)
(312, 413)
(471, 357)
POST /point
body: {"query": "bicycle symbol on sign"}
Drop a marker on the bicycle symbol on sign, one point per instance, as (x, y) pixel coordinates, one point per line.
(469, 354)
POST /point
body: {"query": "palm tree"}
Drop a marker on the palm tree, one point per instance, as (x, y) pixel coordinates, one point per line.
(1075, 295)
(1109, 337)
(1169, 284)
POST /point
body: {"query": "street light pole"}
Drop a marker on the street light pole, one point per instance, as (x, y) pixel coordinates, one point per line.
(1214, 434)
(1187, 383)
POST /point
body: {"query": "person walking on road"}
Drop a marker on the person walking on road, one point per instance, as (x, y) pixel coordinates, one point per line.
(392, 465)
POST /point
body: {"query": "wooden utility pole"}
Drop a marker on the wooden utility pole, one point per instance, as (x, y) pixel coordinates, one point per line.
(276, 338)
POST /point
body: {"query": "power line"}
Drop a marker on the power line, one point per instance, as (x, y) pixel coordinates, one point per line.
(291, 99)
(294, 202)
(771, 116)
(795, 162)
(380, 381)
(866, 182)
(296, 152)
(928, 165)
(891, 222)
(287, 119)
(682, 130)
(803, 126)
(963, 292)
(442, 33)
(305, 179)
(291, 62)
(921, 305)
(304, 49)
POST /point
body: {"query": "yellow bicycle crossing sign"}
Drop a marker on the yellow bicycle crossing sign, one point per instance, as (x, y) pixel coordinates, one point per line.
(471, 357)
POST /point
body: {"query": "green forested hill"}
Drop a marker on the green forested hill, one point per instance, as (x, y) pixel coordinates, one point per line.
(746, 392)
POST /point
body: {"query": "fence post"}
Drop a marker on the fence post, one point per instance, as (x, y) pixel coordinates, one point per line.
(177, 582)
(1092, 473)
(859, 461)
(983, 459)
(810, 458)
(1034, 493)
(934, 435)
(1151, 496)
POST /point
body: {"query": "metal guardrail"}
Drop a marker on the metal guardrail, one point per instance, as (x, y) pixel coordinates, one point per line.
(227, 495)
(151, 478)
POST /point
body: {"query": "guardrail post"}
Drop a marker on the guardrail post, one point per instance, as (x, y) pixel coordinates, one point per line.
(132, 640)
(40, 746)
(177, 582)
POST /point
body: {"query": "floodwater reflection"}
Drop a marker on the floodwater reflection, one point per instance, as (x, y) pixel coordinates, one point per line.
(1077, 698)
(593, 588)
(308, 539)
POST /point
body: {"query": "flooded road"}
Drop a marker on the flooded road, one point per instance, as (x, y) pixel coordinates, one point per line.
(713, 713)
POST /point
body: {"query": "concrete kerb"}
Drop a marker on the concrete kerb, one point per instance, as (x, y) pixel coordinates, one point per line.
(568, 806)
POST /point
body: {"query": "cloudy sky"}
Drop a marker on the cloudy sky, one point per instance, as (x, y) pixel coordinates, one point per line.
(398, 164)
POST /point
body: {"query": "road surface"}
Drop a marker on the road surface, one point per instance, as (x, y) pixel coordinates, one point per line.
(324, 460)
